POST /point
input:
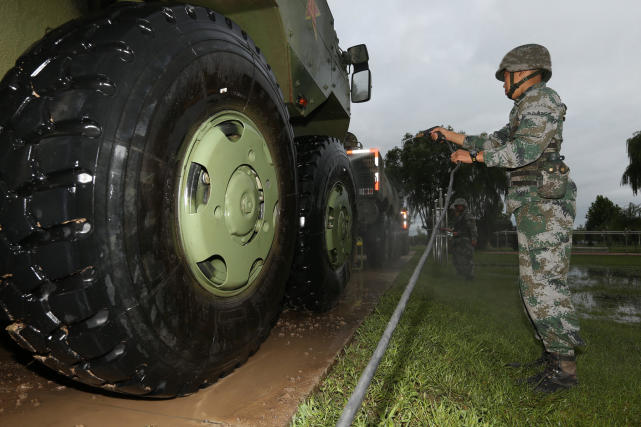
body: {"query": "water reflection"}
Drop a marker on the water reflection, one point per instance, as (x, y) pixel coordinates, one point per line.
(607, 292)
(583, 276)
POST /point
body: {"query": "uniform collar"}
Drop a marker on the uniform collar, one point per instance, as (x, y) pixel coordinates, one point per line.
(535, 86)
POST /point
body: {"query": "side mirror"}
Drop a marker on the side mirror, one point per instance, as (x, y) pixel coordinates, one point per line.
(361, 86)
(361, 77)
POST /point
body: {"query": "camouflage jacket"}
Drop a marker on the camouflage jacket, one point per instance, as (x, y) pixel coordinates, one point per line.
(536, 121)
(465, 226)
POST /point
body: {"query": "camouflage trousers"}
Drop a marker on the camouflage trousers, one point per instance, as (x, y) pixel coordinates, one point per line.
(463, 256)
(544, 232)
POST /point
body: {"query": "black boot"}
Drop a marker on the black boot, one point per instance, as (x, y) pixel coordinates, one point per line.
(559, 374)
(538, 362)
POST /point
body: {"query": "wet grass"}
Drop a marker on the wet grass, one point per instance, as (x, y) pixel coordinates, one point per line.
(625, 249)
(626, 261)
(445, 362)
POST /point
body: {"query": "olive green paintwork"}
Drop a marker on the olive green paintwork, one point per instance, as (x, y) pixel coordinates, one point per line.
(338, 225)
(23, 22)
(227, 198)
(299, 41)
(296, 36)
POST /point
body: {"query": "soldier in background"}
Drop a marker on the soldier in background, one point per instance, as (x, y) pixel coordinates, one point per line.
(543, 200)
(464, 239)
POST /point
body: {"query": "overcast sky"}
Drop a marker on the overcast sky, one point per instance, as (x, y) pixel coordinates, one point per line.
(433, 62)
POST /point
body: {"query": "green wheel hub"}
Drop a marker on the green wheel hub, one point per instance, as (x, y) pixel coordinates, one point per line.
(338, 225)
(227, 203)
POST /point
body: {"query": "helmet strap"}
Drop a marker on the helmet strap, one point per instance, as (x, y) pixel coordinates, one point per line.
(515, 86)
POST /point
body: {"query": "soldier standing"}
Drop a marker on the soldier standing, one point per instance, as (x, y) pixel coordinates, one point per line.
(464, 239)
(542, 198)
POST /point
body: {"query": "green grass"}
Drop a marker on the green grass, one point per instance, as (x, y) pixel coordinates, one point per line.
(445, 362)
(629, 249)
(631, 261)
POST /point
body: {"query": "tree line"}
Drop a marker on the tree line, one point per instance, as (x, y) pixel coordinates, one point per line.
(605, 215)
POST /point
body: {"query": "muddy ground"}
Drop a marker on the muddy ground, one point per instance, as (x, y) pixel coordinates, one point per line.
(264, 391)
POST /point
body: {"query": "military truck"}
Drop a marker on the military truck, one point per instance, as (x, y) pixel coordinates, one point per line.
(383, 224)
(168, 173)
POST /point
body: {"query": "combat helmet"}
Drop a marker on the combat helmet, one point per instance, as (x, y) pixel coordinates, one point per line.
(525, 57)
(459, 201)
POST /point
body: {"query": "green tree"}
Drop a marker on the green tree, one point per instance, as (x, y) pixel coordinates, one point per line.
(631, 217)
(420, 167)
(632, 174)
(603, 214)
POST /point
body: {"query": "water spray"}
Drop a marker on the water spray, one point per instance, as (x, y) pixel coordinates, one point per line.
(356, 399)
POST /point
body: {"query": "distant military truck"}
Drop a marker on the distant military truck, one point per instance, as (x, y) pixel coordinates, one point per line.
(382, 224)
(406, 221)
(163, 169)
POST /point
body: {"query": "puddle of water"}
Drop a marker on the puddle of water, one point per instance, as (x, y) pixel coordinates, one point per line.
(607, 292)
(629, 313)
(585, 276)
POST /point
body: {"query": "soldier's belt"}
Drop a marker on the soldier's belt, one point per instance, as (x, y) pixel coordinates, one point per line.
(522, 177)
(529, 175)
(529, 172)
(522, 183)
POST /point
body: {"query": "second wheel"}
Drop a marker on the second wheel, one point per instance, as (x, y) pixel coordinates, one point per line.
(327, 218)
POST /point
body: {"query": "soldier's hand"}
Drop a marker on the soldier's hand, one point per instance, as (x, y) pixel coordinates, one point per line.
(474, 243)
(454, 233)
(435, 133)
(438, 133)
(462, 156)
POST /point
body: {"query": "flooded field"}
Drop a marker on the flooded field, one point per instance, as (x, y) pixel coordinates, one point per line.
(612, 293)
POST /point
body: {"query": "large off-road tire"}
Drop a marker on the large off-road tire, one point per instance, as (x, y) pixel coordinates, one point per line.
(327, 216)
(148, 209)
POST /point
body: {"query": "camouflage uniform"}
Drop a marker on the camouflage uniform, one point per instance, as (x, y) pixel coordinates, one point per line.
(462, 248)
(544, 226)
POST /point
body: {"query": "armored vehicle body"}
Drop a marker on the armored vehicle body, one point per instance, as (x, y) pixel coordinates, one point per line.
(169, 173)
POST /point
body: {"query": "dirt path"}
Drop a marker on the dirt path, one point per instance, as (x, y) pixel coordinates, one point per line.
(264, 391)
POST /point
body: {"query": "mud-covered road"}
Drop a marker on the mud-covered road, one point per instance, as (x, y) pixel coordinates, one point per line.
(264, 391)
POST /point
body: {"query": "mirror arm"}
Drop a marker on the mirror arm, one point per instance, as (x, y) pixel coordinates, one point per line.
(346, 59)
